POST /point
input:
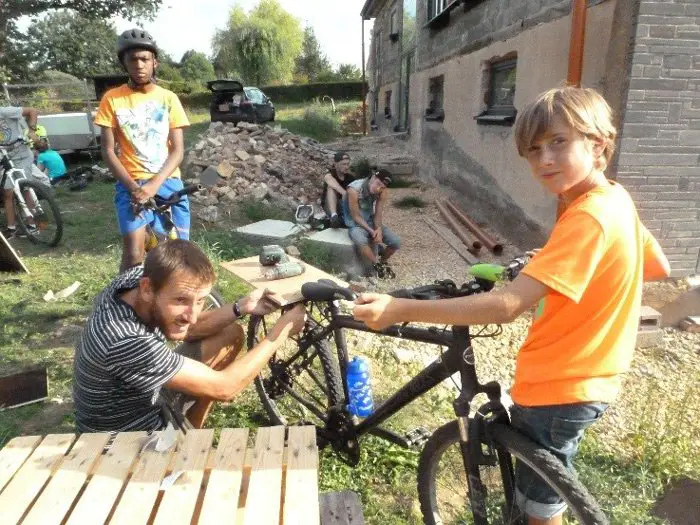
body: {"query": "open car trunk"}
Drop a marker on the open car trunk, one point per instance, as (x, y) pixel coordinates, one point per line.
(228, 103)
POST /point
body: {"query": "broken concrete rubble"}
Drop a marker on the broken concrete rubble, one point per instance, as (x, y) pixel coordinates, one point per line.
(258, 162)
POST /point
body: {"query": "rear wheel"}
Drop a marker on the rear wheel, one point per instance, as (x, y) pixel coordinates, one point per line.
(297, 386)
(40, 219)
(213, 300)
(443, 490)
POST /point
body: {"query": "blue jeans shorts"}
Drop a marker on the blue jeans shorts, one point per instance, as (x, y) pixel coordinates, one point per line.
(559, 429)
(361, 237)
(128, 222)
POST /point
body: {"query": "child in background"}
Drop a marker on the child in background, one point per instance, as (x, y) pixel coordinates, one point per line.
(49, 161)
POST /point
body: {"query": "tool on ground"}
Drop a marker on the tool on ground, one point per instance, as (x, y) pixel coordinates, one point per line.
(304, 213)
(278, 263)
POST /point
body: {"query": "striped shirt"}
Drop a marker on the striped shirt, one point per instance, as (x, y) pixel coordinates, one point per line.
(120, 365)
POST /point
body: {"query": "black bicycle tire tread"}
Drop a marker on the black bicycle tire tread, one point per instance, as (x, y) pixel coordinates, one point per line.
(217, 297)
(550, 466)
(330, 374)
(46, 195)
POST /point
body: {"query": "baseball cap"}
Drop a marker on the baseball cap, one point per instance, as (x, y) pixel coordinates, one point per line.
(340, 156)
(384, 176)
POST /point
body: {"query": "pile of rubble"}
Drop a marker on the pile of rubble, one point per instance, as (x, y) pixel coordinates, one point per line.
(258, 162)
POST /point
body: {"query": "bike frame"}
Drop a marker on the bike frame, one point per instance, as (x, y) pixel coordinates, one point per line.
(9, 172)
(458, 358)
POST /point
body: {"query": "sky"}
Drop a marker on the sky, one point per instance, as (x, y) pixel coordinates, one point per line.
(185, 24)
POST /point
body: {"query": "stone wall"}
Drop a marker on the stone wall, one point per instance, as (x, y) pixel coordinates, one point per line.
(659, 160)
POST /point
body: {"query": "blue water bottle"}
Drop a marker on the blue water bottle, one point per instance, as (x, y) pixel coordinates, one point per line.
(359, 388)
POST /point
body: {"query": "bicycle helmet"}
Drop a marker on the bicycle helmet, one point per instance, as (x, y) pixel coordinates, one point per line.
(135, 39)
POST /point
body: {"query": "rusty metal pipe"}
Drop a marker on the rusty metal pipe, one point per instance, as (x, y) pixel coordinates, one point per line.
(480, 234)
(577, 42)
(458, 230)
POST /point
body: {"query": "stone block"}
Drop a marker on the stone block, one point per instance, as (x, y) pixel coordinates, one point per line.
(650, 333)
(270, 231)
(338, 243)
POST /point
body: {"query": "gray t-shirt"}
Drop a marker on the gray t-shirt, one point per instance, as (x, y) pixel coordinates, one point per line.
(12, 128)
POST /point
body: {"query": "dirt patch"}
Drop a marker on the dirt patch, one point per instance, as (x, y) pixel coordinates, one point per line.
(680, 505)
(50, 418)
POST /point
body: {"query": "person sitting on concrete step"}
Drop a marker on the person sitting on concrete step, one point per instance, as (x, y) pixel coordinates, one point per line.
(363, 211)
(335, 184)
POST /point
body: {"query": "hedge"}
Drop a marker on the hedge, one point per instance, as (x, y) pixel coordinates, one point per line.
(288, 94)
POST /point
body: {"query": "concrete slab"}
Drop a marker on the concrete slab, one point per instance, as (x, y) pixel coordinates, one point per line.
(270, 231)
(338, 242)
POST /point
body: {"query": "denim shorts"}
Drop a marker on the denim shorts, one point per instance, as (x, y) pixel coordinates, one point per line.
(361, 237)
(559, 429)
(128, 222)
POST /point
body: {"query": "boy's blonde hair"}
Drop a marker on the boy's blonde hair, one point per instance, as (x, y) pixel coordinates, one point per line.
(584, 109)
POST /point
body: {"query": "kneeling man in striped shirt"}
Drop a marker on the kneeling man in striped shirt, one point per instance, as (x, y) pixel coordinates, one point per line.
(127, 377)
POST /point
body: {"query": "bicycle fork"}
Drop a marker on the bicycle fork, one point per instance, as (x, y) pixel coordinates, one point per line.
(23, 207)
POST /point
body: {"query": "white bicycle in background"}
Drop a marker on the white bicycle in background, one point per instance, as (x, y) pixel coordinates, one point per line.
(38, 216)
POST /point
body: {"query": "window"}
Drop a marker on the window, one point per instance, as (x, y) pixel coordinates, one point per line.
(393, 27)
(378, 48)
(439, 7)
(499, 93)
(387, 104)
(435, 109)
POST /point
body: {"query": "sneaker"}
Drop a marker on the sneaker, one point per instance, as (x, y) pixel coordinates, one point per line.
(336, 221)
(13, 233)
(377, 270)
(388, 271)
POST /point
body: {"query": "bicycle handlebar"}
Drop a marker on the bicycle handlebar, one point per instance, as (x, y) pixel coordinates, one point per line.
(159, 204)
(485, 277)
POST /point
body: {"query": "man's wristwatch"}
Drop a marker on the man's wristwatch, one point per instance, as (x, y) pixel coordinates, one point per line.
(237, 310)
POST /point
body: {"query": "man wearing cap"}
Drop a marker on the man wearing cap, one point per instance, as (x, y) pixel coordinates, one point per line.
(335, 184)
(363, 211)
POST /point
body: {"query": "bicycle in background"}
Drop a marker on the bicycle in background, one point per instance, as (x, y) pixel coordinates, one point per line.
(38, 215)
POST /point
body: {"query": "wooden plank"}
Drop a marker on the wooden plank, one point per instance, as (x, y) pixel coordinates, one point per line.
(262, 506)
(10, 261)
(341, 508)
(285, 291)
(13, 456)
(141, 492)
(23, 386)
(301, 485)
(57, 497)
(178, 503)
(224, 486)
(29, 480)
(450, 238)
(103, 490)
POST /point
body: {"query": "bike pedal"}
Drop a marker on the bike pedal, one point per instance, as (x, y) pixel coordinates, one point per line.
(418, 436)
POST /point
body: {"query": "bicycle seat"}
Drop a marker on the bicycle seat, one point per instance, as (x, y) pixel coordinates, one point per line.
(326, 290)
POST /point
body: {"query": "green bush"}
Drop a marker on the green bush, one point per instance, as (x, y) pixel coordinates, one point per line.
(322, 120)
(361, 167)
(410, 201)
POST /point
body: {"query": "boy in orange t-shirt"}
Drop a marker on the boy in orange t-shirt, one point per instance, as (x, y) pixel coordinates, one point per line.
(587, 280)
(146, 122)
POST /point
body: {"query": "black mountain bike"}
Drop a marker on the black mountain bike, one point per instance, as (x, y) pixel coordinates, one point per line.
(466, 468)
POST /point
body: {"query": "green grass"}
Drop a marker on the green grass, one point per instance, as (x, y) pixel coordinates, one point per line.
(410, 201)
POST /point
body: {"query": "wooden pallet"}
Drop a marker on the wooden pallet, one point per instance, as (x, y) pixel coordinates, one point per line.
(70, 479)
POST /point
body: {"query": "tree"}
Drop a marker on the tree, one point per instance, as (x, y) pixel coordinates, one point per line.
(312, 63)
(348, 72)
(66, 41)
(260, 46)
(195, 67)
(10, 10)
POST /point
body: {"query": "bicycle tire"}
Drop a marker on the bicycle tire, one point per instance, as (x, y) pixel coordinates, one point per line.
(214, 300)
(280, 413)
(580, 503)
(46, 200)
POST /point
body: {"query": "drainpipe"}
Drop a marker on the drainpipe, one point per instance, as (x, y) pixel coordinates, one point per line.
(578, 36)
(364, 82)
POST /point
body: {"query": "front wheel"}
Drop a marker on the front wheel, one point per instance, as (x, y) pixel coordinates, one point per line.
(300, 383)
(443, 488)
(39, 216)
(213, 300)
